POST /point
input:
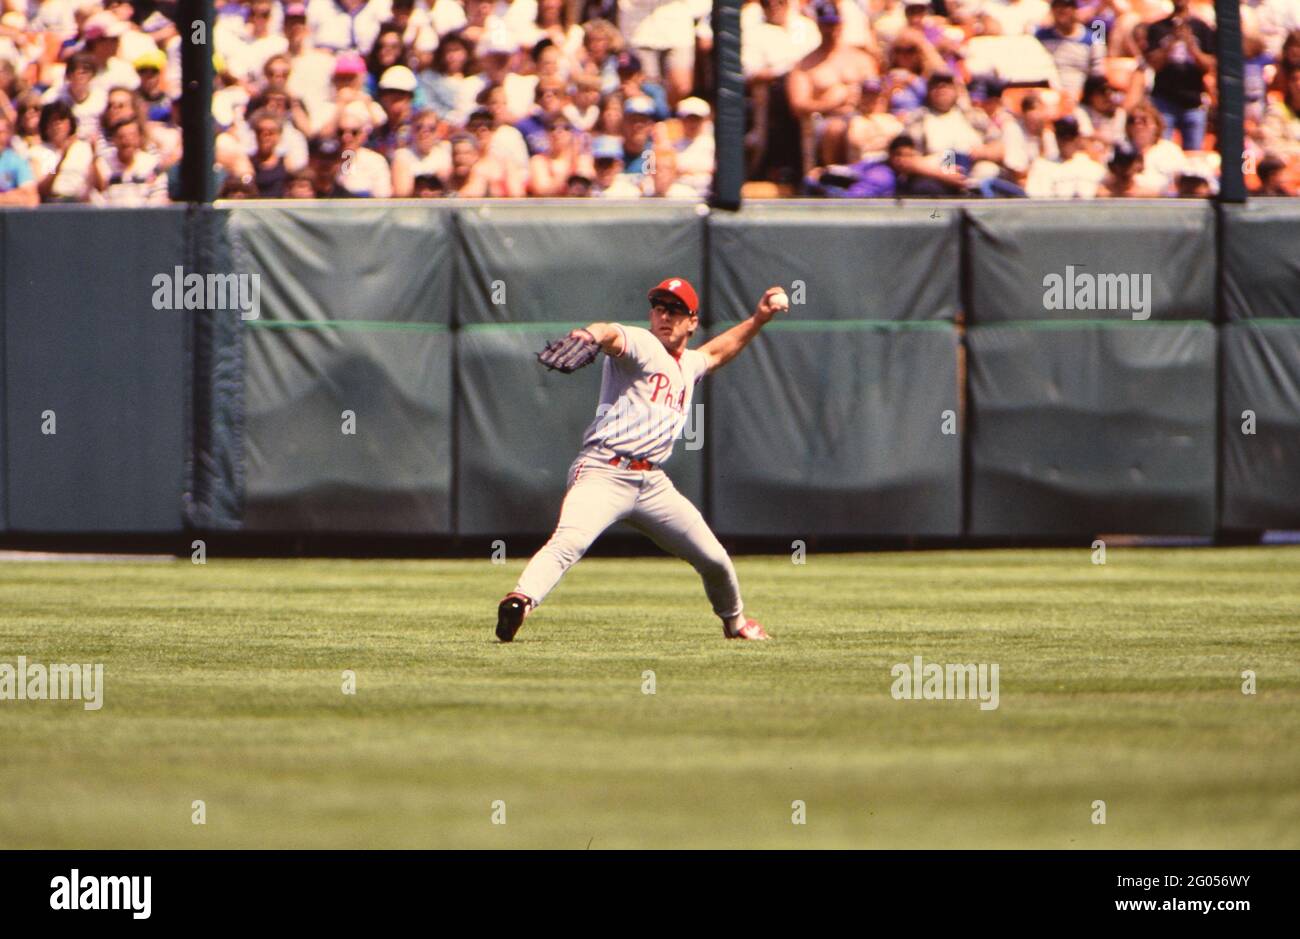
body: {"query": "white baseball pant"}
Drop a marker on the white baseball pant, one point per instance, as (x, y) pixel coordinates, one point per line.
(599, 495)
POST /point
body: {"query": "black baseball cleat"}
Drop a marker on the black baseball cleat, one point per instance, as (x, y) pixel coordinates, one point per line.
(510, 615)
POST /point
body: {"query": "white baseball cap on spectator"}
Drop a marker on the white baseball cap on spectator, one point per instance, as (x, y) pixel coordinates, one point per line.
(397, 78)
(640, 105)
(103, 25)
(359, 112)
(498, 42)
(693, 107)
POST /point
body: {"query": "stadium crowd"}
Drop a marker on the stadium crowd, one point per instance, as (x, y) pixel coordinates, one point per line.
(610, 98)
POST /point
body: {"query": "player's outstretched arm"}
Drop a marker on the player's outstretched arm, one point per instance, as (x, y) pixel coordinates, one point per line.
(610, 338)
(722, 349)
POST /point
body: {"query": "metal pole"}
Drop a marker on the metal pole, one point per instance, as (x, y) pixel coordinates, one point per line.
(729, 113)
(194, 21)
(1231, 131)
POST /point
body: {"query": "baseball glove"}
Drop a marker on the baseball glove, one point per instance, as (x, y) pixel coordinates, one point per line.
(574, 351)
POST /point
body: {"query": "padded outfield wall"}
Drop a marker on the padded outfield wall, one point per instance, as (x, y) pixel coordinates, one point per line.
(928, 382)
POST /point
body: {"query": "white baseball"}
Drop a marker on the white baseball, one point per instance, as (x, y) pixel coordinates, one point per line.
(780, 302)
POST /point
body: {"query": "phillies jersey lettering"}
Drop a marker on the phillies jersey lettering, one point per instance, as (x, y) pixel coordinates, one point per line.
(645, 397)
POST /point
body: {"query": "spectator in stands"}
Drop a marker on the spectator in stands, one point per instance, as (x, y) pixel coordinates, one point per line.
(551, 104)
(323, 166)
(1002, 132)
(873, 126)
(311, 69)
(1101, 119)
(1037, 129)
(563, 158)
(480, 19)
(450, 86)
(776, 40)
(666, 181)
(130, 176)
(610, 181)
(1257, 63)
(1077, 50)
(904, 171)
(11, 84)
(1193, 184)
(234, 187)
(601, 44)
(501, 157)
(942, 129)
(349, 89)
(663, 34)
(277, 74)
(1015, 17)
(548, 61)
(248, 50)
(428, 186)
(1281, 127)
(496, 55)
(231, 155)
(27, 122)
(1287, 61)
(86, 99)
(584, 109)
(427, 154)
(64, 165)
(911, 60)
(695, 149)
(102, 34)
(160, 140)
(341, 25)
(1162, 159)
(389, 50)
(270, 172)
(292, 141)
(632, 84)
(1181, 51)
(1121, 179)
(418, 34)
(505, 142)
(229, 96)
(1073, 175)
(610, 120)
(364, 172)
(1272, 179)
(554, 23)
(638, 133)
(396, 89)
(942, 52)
(17, 184)
(824, 89)
(158, 104)
(462, 180)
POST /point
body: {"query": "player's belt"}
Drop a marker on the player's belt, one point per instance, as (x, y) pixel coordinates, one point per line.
(623, 462)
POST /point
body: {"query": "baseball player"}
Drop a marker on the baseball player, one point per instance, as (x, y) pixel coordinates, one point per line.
(647, 382)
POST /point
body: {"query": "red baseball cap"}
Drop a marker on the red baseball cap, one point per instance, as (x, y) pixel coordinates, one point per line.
(680, 288)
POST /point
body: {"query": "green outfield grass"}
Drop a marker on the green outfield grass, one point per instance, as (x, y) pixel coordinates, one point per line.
(223, 683)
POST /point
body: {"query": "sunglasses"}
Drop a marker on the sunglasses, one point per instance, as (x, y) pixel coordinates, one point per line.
(672, 306)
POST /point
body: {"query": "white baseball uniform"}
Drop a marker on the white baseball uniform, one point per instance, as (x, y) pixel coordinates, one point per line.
(645, 397)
